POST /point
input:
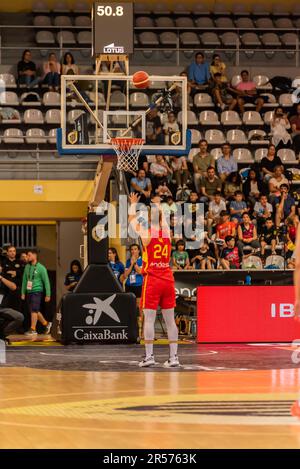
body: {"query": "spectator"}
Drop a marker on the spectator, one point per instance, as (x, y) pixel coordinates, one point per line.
(275, 182)
(201, 162)
(205, 259)
(247, 234)
(218, 67)
(35, 283)
(262, 211)
(154, 130)
(169, 207)
(225, 227)
(12, 270)
(180, 171)
(238, 207)
(226, 164)
(252, 187)
(268, 236)
(23, 259)
(290, 241)
(279, 129)
(192, 204)
(210, 185)
(198, 73)
(114, 262)
(247, 93)
(26, 69)
(69, 67)
(222, 93)
(232, 184)
(142, 185)
(163, 191)
(269, 163)
(215, 209)
(73, 276)
(51, 70)
(291, 263)
(285, 205)
(180, 257)
(295, 126)
(133, 272)
(160, 171)
(230, 257)
(12, 319)
(170, 127)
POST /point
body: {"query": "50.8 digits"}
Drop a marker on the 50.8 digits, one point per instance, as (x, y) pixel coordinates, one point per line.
(109, 11)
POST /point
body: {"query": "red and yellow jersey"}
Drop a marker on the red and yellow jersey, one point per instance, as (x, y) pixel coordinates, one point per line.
(156, 258)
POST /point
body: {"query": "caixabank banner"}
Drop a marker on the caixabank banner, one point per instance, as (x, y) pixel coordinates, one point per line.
(246, 314)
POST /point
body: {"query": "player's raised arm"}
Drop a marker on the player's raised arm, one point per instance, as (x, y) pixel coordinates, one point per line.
(297, 276)
(140, 230)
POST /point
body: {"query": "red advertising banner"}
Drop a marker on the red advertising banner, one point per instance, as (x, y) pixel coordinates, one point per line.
(246, 314)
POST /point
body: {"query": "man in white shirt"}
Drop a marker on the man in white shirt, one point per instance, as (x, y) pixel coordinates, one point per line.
(214, 209)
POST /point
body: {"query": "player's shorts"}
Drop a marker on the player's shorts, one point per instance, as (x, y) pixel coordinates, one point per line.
(35, 301)
(157, 293)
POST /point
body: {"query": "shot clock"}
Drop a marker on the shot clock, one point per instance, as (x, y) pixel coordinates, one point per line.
(112, 28)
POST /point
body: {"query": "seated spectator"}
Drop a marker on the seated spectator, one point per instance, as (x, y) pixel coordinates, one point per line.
(210, 185)
(222, 93)
(180, 171)
(69, 67)
(247, 234)
(154, 130)
(269, 163)
(180, 258)
(169, 207)
(205, 259)
(12, 319)
(285, 205)
(238, 207)
(73, 277)
(114, 261)
(26, 69)
(51, 70)
(295, 126)
(253, 187)
(225, 227)
(201, 162)
(163, 191)
(226, 164)
(230, 257)
(215, 208)
(232, 184)
(279, 129)
(290, 241)
(262, 211)
(170, 127)
(142, 185)
(268, 237)
(192, 204)
(275, 182)
(247, 93)
(198, 73)
(159, 171)
(217, 66)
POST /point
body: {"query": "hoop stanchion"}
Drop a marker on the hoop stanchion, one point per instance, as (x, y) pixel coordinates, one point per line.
(128, 151)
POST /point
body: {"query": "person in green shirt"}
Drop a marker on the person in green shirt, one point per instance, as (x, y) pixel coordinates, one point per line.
(35, 284)
(180, 257)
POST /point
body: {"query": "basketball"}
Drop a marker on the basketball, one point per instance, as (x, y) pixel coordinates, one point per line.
(140, 80)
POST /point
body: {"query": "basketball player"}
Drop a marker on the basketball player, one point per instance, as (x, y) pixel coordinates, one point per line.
(158, 281)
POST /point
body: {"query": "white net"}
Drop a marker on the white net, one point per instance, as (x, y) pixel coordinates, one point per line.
(128, 151)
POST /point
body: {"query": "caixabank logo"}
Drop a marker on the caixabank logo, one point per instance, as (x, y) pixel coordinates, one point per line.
(96, 327)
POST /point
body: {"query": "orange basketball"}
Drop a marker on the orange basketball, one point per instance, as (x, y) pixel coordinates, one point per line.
(140, 79)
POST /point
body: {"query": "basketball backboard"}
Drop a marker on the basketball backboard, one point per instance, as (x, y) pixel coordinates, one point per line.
(96, 108)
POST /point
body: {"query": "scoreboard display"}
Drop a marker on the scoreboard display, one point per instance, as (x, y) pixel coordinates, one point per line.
(112, 28)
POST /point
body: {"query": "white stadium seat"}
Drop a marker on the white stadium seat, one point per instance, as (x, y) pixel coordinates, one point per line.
(196, 136)
(191, 118)
(252, 118)
(9, 97)
(257, 137)
(13, 136)
(148, 38)
(66, 37)
(209, 118)
(189, 39)
(260, 153)
(285, 100)
(250, 40)
(168, 38)
(287, 155)
(262, 82)
(268, 117)
(51, 98)
(192, 153)
(252, 263)
(144, 22)
(52, 116)
(52, 135)
(230, 118)
(45, 37)
(83, 21)
(8, 79)
(42, 21)
(210, 39)
(243, 155)
(216, 153)
(35, 99)
(204, 22)
(214, 137)
(236, 137)
(139, 99)
(74, 114)
(117, 99)
(33, 116)
(63, 20)
(275, 260)
(184, 22)
(84, 37)
(35, 136)
(203, 100)
(164, 22)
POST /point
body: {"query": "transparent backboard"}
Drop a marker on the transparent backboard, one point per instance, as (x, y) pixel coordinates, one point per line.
(95, 109)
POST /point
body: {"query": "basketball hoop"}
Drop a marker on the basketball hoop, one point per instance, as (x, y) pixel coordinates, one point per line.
(128, 151)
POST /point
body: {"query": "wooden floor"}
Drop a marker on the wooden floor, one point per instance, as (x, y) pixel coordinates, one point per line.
(50, 408)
